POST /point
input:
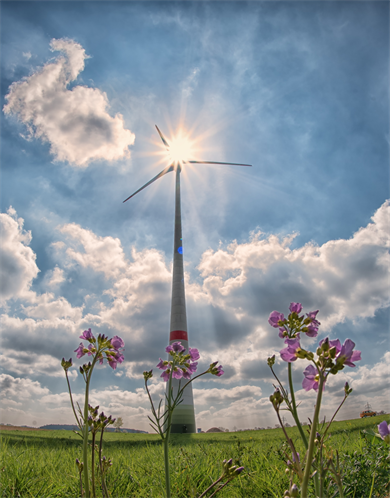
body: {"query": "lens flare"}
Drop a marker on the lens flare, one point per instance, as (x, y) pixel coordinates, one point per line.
(180, 149)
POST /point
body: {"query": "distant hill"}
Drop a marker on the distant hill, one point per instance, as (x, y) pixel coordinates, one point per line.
(59, 427)
(214, 429)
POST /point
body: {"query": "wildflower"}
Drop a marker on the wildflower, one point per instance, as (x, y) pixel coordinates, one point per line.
(214, 370)
(312, 331)
(384, 431)
(282, 332)
(347, 356)
(162, 365)
(312, 317)
(193, 366)
(112, 362)
(87, 335)
(177, 373)
(175, 347)
(194, 354)
(117, 342)
(81, 350)
(275, 319)
(165, 374)
(312, 378)
(295, 307)
(289, 354)
(91, 350)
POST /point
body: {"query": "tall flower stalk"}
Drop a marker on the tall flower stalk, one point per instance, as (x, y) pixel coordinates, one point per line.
(331, 357)
(88, 421)
(181, 365)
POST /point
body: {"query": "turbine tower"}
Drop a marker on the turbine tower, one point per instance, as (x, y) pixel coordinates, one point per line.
(183, 419)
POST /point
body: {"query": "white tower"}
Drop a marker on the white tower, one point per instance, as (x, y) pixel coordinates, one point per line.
(183, 419)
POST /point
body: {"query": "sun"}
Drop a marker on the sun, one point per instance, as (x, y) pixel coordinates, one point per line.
(180, 149)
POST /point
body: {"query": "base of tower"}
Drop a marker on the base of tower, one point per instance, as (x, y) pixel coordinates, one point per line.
(183, 429)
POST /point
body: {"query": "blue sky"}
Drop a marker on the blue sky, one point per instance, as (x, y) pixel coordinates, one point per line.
(300, 90)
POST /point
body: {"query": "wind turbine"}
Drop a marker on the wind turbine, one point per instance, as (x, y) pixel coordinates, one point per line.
(183, 419)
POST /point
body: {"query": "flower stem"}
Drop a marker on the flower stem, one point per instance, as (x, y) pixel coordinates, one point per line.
(294, 407)
(211, 487)
(166, 439)
(71, 399)
(310, 451)
(85, 441)
(93, 465)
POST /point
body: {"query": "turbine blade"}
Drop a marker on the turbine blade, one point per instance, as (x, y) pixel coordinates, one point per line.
(162, 173)
(215, 162)
(162, 137)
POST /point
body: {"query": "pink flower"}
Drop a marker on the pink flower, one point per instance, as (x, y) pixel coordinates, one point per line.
(112, 362)
(165, 375)
(117, 342)
(347, 355)
(176, 347)
(186, 374)
(312, 331)
(312, 315)
(295, 307)
(289, 354)
(384, 431)
(192, 367)
(80, 351)
(194, 354)
(87, 335)
(274, 319)
(220, 372)
(162, 365)
(177, 373)
(311, 379)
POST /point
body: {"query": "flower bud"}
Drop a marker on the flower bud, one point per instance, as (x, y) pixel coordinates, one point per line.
(294, 491)
(148, 375)
(66, 364)
(271, 361)
(347, 389)
(276, 399)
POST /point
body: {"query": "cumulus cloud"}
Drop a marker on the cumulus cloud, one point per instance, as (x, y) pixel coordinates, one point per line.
(54, 277)
(238, 288)
(75, 122)
(17, 260)
(344, 278)
(20, 388)
(102, 254)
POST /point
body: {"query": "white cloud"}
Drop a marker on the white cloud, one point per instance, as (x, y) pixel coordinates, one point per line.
(55, 277)
(18, 267)
(240, 282)
(102, 254)
(33, 364)
(75, 122)
(344, 278)
(220, 395)
(20, 388)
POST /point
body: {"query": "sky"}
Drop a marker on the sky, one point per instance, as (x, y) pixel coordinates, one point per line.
(299, 90)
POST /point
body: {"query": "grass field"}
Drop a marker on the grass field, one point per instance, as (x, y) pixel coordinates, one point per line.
(42, 463)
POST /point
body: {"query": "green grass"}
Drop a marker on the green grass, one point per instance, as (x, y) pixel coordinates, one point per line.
(42, 463)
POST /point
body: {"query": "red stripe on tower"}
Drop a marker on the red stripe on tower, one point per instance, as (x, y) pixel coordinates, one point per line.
(178, 335)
